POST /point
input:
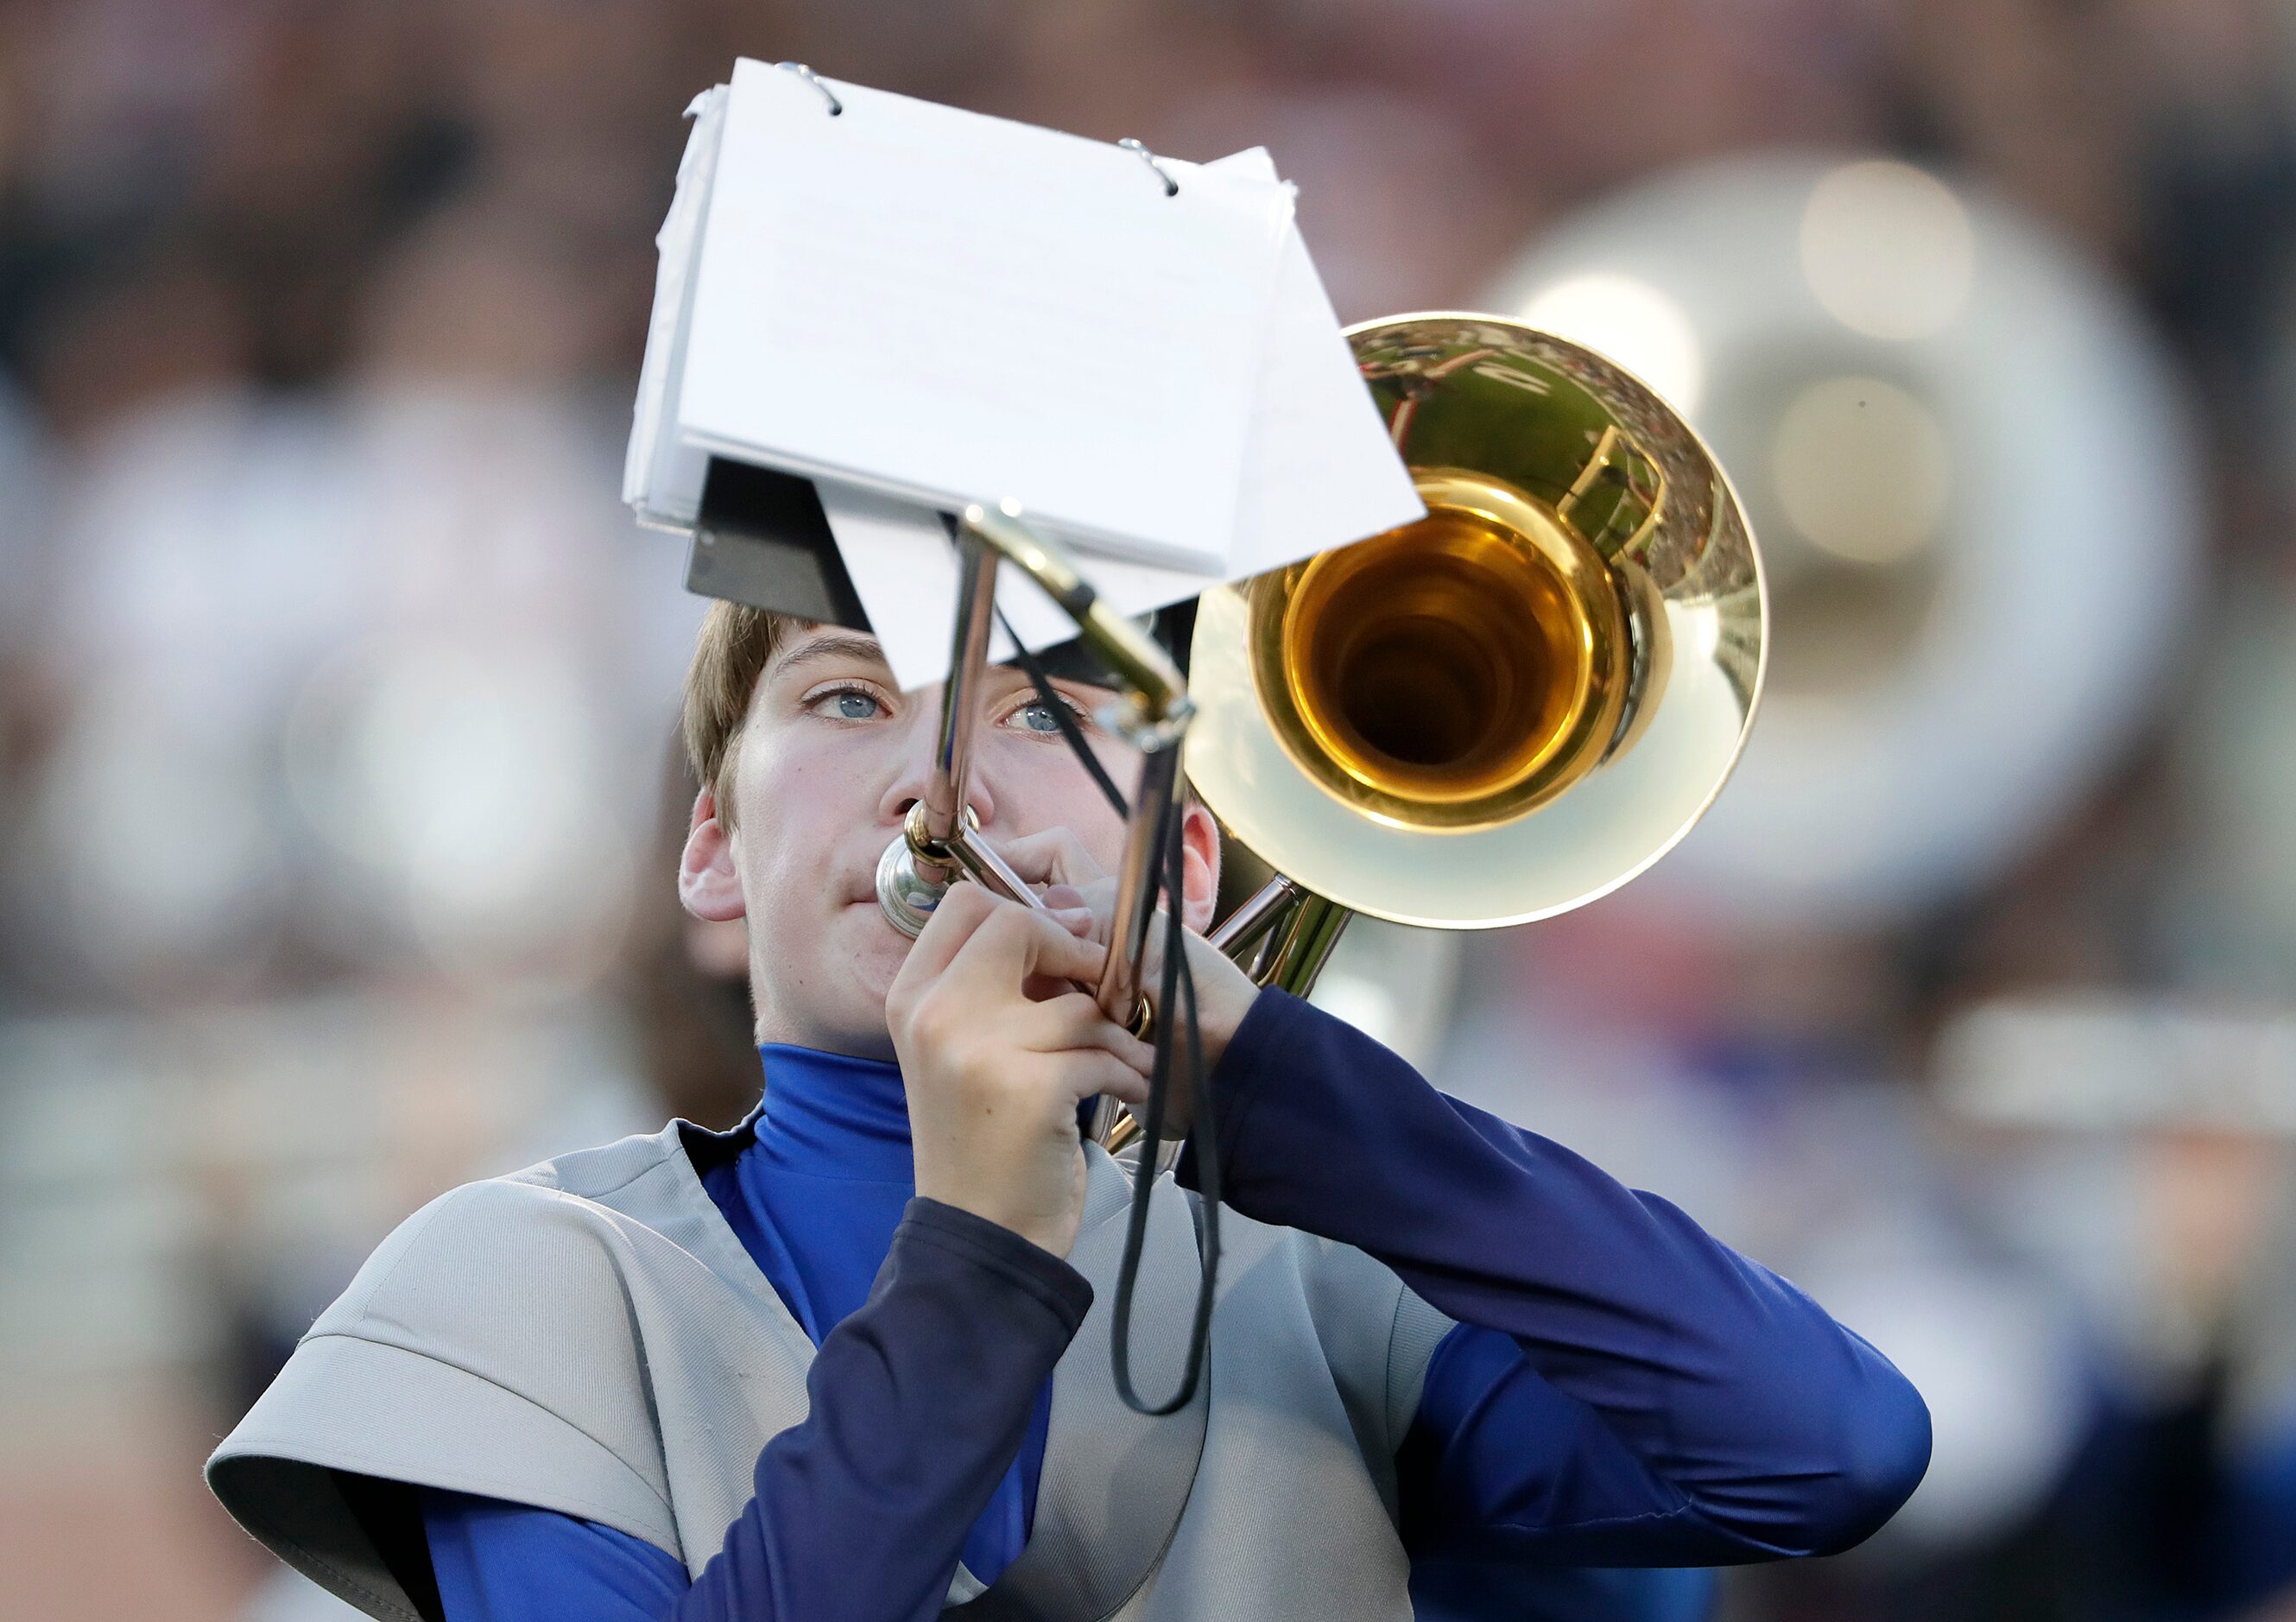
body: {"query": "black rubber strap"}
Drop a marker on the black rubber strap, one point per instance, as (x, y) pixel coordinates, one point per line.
(1065, 721)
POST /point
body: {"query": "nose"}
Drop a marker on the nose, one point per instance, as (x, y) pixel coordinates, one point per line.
(908, 784)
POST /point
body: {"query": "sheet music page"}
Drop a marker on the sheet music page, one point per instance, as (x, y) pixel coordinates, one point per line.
(662, 475)
(952, 308)
(1319, 471)
(904, 570)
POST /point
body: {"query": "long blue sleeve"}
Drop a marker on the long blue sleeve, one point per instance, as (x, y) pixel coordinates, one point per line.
(852, 1518)
(1632, 1393)
(511, 1562)
(2254, 1554)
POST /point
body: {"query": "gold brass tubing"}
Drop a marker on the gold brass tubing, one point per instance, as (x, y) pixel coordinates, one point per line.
(1159, 712)
(1120, 1136)
(1121, 1129)
(1108, 1121)
(1159, 696)
(1309, 934)
(945, 790)
(981, 862)
(1157, 688)
(1253, 917)
(1252, 931)
(1120, 992)
(1263, 958)
(1597, 463)
(1291, 959)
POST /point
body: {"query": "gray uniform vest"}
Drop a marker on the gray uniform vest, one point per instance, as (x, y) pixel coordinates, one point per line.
(590, 1336)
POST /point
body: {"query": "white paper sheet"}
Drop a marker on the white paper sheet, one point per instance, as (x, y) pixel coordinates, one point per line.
(953, 307)
(1319, 471)
(663, 475)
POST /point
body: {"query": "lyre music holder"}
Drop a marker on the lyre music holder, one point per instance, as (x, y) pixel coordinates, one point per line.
(940, 841)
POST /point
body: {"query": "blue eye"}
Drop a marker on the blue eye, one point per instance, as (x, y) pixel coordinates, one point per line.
(848, 703)
(1037, 715)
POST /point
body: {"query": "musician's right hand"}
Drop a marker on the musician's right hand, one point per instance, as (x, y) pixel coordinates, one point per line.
(997, 1052)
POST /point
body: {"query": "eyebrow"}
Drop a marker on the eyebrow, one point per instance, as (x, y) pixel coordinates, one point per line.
(829, 647)
(868, 649)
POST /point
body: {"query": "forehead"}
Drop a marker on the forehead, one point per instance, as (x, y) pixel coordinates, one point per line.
(821, 645)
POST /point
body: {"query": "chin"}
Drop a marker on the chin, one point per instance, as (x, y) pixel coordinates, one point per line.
(879, 950)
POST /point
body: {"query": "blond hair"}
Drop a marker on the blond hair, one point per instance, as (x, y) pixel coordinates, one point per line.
(736, 643)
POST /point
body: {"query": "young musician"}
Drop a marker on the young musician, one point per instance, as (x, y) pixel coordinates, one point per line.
(851, 1360)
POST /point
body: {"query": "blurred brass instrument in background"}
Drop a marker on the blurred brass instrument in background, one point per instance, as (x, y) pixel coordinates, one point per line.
(1941, 418)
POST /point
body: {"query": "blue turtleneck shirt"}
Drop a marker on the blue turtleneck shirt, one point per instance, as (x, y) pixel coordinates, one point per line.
(815, 1201)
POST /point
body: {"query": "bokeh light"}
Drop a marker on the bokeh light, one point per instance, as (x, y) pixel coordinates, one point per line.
(1862, 469)
(1888, 250)
(1631, 322)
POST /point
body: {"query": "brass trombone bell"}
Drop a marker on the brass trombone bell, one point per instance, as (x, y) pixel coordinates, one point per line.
(1452, 673)
(1511, 706)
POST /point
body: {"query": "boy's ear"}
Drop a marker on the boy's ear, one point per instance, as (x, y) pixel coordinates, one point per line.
(1200, 861)
(709, 884)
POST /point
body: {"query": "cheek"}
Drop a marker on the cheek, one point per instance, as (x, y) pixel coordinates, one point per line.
(1070, 799)
(789, 827)
(805, 794)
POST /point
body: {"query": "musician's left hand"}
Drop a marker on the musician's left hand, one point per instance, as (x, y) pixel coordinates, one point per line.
(1083, 895)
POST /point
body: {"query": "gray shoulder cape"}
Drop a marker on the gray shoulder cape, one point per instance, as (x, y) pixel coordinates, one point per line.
(589, 1336)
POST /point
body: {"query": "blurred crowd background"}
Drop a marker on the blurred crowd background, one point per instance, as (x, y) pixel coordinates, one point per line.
(338, 807)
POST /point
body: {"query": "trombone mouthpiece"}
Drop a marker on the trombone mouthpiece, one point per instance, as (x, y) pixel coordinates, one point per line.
(917, 868)
(905, 895)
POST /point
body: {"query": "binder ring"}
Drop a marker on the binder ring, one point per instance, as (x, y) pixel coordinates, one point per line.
(814, 80)
(1171, 187)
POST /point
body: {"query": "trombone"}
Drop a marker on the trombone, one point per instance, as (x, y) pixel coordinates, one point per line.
(1495, 713)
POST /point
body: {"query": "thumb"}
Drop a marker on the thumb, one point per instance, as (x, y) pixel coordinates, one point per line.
(1076, 920)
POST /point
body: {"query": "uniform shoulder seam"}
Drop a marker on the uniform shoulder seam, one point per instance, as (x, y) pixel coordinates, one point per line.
(485, 1380)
